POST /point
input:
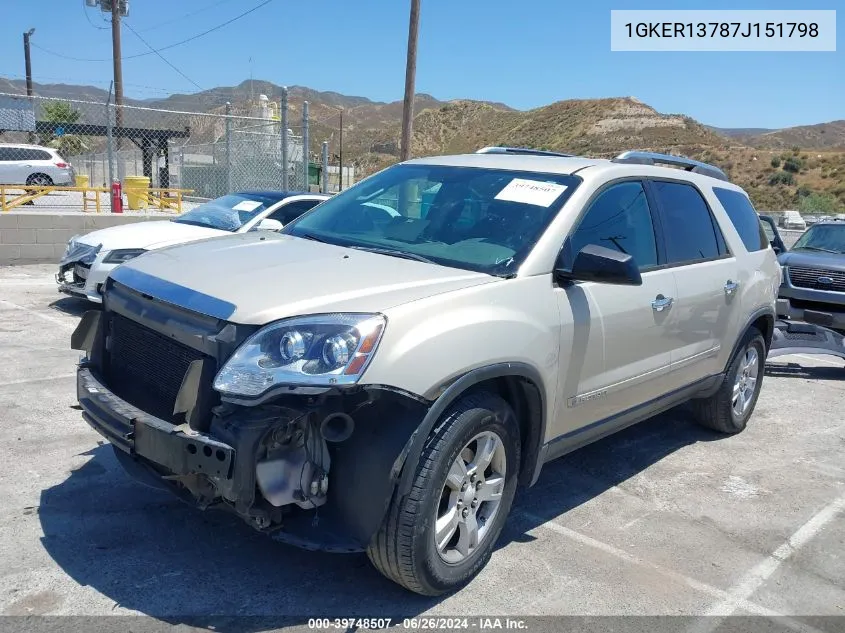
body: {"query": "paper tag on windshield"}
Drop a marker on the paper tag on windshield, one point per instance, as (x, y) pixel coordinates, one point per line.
(536, 192)
(246, 205)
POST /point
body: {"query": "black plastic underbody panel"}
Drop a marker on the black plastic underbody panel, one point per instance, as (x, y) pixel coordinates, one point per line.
(805, 338)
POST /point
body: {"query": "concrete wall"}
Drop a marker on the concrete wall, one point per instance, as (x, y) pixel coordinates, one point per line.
(30, 237)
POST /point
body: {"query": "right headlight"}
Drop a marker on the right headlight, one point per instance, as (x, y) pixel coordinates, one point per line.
(318, 350)
(122, 255)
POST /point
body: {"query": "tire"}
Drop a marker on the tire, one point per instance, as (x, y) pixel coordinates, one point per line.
(720, 411)
(40, 180)
(404, 548)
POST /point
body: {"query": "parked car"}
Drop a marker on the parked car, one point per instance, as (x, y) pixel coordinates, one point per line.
(813, 287)
(90, 258)
(770, 228)
(793, 220)
(33, 165)
(809, 220)
(367, 380)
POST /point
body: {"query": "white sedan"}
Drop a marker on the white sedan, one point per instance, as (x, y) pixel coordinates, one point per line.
(90, 258)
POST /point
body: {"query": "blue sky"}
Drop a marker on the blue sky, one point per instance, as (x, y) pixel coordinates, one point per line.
(524, 53)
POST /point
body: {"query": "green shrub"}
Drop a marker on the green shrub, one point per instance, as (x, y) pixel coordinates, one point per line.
(775, 161)
(782, 178)
(793, 165)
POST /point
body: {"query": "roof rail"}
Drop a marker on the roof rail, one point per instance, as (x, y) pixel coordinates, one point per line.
(653, 158)
(521, 150)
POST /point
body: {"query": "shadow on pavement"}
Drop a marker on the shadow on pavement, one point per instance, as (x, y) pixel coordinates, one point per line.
(809, 372)
(73, 306)
(151, 553)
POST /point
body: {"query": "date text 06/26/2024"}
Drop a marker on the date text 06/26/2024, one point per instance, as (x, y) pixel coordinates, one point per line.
(723, 30)
(422, 623)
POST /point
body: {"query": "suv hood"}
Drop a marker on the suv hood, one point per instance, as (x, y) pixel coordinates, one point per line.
(256, 278)
(813, 259)
(148, 235)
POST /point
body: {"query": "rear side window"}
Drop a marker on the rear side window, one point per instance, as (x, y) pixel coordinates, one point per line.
(744, 218)
(691, 232)
(291, 211)
(620, 219)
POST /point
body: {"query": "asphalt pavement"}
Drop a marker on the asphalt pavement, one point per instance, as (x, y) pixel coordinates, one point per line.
(664, 518)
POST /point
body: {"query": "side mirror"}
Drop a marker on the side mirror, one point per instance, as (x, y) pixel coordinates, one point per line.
(777, 249)
(268, 225)
(602, 265)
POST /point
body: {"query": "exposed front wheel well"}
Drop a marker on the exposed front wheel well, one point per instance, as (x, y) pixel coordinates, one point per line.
(523, 396)
(765, 324)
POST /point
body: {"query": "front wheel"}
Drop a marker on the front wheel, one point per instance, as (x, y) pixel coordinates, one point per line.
(443, 532)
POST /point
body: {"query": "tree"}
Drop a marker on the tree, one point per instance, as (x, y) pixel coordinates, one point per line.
(59, 112)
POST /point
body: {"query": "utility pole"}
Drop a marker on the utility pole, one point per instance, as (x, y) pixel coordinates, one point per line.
(410, 75)
(340, 156)
(28, 62)
(116, 8)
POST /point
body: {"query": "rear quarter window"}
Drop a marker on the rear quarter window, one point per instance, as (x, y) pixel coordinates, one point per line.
(744, 218)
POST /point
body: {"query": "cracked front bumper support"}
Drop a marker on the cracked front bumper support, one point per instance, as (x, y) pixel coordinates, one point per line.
(178, 449)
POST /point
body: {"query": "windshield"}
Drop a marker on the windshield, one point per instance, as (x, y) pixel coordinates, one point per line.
(227, 213)
(484, 220)
(828, 238)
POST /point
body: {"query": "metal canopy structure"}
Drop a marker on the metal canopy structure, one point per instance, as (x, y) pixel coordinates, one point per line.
(151, 142)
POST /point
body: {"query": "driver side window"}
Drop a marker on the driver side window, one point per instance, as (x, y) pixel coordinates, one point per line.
(620, 219)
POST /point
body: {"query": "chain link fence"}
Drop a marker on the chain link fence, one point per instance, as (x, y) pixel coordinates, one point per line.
(198, 156)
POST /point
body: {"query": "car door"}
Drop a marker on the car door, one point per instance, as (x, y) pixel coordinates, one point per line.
(12, 171)
(614, 347)
(707, 277)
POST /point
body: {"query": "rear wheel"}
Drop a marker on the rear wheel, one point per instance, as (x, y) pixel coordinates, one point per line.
(39, 180)
(729, 409)
(443, 532)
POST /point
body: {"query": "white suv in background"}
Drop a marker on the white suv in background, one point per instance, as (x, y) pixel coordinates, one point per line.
(33, 165)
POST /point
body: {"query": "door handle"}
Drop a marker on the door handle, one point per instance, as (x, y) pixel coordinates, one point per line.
(660, 303)
(731, 287)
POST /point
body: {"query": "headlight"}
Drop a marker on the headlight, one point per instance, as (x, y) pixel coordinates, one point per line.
(121, 255)
(319, 350)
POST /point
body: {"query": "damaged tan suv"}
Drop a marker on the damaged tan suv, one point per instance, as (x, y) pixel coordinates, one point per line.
(383, 374)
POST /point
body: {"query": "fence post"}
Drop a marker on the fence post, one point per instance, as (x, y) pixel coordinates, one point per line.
(109, 146)
(325, 188)
(228, 148)
(283, 114)
(305, 144)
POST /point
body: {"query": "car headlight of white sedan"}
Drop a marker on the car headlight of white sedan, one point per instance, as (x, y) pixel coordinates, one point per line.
(318, 350)
(118, 256)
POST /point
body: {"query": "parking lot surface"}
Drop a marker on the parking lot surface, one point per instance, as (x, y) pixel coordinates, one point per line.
(664, 518)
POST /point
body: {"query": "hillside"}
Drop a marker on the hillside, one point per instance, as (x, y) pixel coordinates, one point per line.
(779, 168)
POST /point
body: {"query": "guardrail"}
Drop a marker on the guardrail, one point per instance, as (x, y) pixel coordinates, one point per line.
(166, 199)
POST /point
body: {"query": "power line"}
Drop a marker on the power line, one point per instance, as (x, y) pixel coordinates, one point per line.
(128, 26)
(187, 15)
(163, 48)
(88, 17)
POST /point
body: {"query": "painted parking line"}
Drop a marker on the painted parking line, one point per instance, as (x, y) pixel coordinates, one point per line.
(27, 381)
(714, 592)
(37, 313)
(738, 595)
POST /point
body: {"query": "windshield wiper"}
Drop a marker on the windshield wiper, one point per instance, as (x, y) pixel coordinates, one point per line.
(817, 248)
(395, 253)
(311, 236)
